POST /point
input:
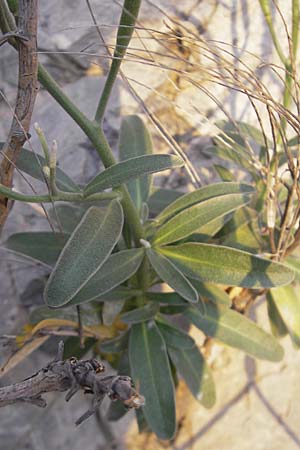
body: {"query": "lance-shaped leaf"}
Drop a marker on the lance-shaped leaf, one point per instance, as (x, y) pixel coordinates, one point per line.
(212, 293)
(42, 246)
(166, 298)
(239, 131)
(67, 216)
(161, 198)
(135, 140)
(287, 301)
(226, 265)
(86, 251)
(131, 168)
(236, 330)
(172, 276)
(200, 195)
(278, 326)
(197, 216)
(174, 336)
(33, 163)
(151, 371)
(116, 345)
(116, 269)
(142, 314)
(194, 370)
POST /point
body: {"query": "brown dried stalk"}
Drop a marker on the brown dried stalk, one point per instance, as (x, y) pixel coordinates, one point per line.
(27, 91)
(72, 375)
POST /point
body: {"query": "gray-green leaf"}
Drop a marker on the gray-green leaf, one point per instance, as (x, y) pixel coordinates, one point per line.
(117, 268)
(194, 370)
(201, 195)
(192, 219)
(236, 330)
(151, 371)
(172, 276)
(131, 168)
(174, 336)
(287, 301)
(135, 140)
(42, 246)
(141, 314)
(33, 163)
(225, 265)
(86, 251)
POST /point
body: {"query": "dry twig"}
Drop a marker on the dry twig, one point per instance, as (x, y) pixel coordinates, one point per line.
(72, 375)
(27, 91)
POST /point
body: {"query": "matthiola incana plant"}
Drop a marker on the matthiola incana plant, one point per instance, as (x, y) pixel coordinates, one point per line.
(126, 257)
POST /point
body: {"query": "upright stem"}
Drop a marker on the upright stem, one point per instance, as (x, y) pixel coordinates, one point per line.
(95, 133)
(92, 130)
(126, 27)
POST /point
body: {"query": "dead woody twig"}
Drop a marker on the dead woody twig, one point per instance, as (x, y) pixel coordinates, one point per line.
(72, 375)
(25, 41)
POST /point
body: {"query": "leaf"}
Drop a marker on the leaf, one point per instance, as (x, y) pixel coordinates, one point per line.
(193, 368)
(197, 216)
(246, 235)
(67, 216)
(110, 311)
(287, 301)
(293, 141)
(33, 163)
(131, 168)
(119, 293)
(166, 298)
(224, 173)
(294, 263)
(116, 345)
(161, 198)
(224, 265)
(42, 246)
(174, 336)
(97, 331)
(72, 347)
(236, 330)
(201, 195)
(85, 252)
(135, 140)
(116, 269)
(278, 327)
(212, 293)
(142, 314)
(170, 309)
(234, 153)
(18, 356)
(172, 276)
(241, 131)
(117, 409)
(151, 371)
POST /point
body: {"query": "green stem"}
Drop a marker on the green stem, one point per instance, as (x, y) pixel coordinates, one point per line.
(126, 27)
(7, 20)
(60, 196)
(97, 137)
(265, 7)
(295, 27)
(92, 130)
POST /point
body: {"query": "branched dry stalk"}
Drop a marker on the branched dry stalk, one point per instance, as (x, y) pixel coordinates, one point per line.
(72, 375)
(27, 91)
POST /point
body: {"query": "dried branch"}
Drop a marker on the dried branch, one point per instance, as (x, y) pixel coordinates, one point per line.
(72, 375)
(27, 91)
